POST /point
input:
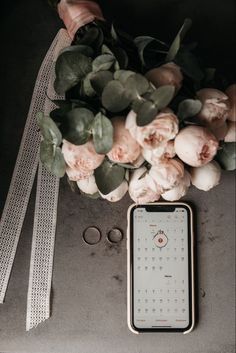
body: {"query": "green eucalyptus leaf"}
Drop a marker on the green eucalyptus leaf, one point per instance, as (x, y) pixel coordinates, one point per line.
(80, 48)
(123, 75)
(136, 85)
(174, 48)
(106, 50)
(127, 166)
(91, 196)
(227, 156)
(79, 121)
(108, 176)
(52, 158)
(102, 130)
(142, 42)
(71, 67)
(189, 65)
(146, 113)
(92, 37)
(114, 34)
(100, 79)
(189, 108)
(50, 131)
(39, 117)
(114, 97)
(103, 62)
(87, 87)
(162, 96)
(121, 57)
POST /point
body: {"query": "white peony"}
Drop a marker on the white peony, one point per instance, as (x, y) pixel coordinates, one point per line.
(207, 176)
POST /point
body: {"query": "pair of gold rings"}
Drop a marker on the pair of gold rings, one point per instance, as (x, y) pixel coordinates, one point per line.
(92, 235)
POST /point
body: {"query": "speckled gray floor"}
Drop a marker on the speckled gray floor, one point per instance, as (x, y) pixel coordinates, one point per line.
(89, 284)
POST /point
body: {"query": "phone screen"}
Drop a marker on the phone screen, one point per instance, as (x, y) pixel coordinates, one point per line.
(161, 267)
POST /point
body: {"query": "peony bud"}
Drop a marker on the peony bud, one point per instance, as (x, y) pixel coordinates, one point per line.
(139, 188)
(178, 191)
(231, 93)
(88, 185)
(195, 145)
(215, 107)
(207, 176)
(167, 74)
(231, 133)
(117, 194)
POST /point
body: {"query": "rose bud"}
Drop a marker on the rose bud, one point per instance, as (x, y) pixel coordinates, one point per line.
(125, 148)
(231, 133)
(117, 194)
(219, 132)
(178, 191)
(81, 159)
(88, 185)
(162, 129)
(139, 190)
(195, 145)
(215, 107)
(167, 74)
(207, 176)
(163, 152)
(231, 93)
(165, 175)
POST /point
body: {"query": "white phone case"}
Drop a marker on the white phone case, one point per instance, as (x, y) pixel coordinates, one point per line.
(129, 294)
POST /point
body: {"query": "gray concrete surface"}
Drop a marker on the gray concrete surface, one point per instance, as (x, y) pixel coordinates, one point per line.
(89, 283)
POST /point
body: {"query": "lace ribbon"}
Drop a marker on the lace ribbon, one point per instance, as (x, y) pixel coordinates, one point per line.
(38, 302)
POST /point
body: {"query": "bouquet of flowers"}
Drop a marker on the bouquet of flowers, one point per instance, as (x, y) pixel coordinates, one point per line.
(139, 115)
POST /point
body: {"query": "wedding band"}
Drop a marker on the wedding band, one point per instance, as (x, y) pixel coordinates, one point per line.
(92, 235)
(115, 235)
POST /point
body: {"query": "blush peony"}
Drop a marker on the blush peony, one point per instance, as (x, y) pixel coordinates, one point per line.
(165, 175)
(195, 145)
(207, 176)
(178, 191)
(139, 188)
(81, 160)
(162, 129)
(167, 74)
(125, 149)
(215, 107)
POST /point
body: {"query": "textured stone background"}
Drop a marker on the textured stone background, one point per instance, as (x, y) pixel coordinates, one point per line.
(89, 284)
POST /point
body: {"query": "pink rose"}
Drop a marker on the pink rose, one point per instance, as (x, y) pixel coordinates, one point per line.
(165, 175)
(195, 145)
(125, 149)
(215, 107)
(81, 160)
(231, 93)
(163, 152)
(139, 188)
(231, 132)
(167, 74)
(162, 129)
(178, 191)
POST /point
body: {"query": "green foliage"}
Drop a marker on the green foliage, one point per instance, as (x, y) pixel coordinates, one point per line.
(78, 128)
(175, 46)
(102, 131)
(226, 156)
(189, 108)
(108, 176)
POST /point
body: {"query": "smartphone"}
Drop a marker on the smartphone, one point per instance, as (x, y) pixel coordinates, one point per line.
(160, 253)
